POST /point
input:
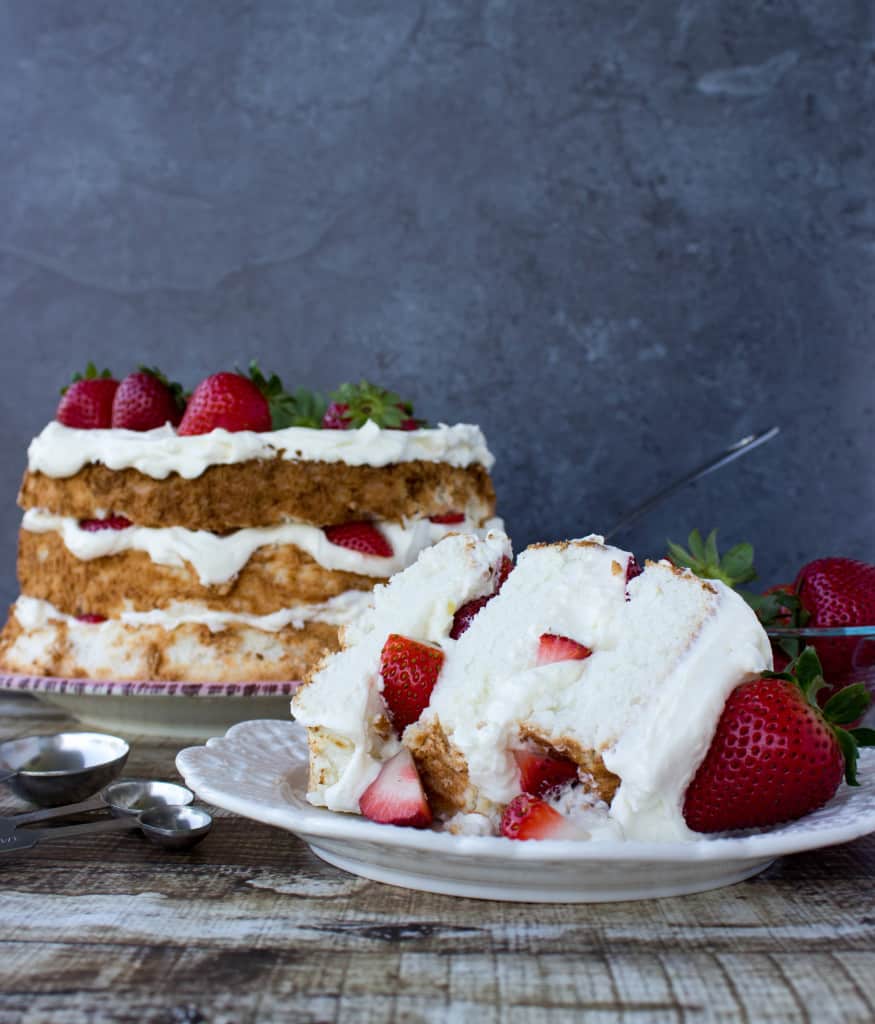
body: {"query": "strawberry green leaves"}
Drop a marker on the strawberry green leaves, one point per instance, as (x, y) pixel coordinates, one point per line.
(303, 408)
(703, 557)
(91, 373)
(844, 708)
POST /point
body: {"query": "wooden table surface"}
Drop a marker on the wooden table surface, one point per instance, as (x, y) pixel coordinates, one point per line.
(250, 926)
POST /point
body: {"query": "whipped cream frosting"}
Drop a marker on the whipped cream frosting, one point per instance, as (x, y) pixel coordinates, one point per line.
(648, 698)
(35, 614)
(345, 698)
(60, 451)
(218, 559)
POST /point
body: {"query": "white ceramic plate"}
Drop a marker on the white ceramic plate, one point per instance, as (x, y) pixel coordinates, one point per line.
(259, 770)
(174, 710)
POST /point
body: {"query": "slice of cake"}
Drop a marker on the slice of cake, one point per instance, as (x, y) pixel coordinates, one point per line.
(218, 548)
(576, 657)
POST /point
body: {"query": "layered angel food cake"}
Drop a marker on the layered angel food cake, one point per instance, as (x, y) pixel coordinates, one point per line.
(572, 675)
(225, 546)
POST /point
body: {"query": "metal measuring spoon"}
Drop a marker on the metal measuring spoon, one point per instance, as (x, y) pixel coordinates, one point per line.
(125, 797)
(61, 769)
(173, 828)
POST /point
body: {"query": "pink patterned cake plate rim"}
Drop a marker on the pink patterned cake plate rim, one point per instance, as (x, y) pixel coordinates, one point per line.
(143, 688)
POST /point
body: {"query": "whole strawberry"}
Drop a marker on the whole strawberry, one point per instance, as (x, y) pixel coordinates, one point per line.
(352, 405)
(775, 755)
(840, 592)
(226, 401)
(146, 400)
(87, 403)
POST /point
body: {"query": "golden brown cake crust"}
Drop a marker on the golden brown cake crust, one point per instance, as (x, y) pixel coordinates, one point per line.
(263, 492)
(441, 767)
(589, 762)
(232, 655)
(276, 576)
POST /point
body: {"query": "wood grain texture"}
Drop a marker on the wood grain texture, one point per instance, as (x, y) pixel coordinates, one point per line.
(250, 926)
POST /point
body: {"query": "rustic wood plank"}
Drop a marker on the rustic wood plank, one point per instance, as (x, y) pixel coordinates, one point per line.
(251, 926)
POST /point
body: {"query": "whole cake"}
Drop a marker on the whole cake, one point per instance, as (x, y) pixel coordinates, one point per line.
(229, 538)
(574, 673)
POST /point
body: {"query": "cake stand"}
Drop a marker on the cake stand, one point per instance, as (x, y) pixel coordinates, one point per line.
(151, 708)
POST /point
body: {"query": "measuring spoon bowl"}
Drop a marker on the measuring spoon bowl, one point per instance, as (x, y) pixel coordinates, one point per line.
(64, 768)
(176, 828)
(131, 797)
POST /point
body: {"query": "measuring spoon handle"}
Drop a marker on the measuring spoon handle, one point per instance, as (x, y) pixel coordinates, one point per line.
(25, 838)
(93, 803)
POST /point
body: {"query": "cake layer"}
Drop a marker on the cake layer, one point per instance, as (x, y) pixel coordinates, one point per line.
(265, 493)
(37, 641)
(275, 576)
(217, 559)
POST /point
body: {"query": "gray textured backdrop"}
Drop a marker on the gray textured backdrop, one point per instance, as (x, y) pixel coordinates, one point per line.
(618, 235)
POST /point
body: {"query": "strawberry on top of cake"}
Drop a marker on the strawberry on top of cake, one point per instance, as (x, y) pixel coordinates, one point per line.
(571, 695)
(228, 534)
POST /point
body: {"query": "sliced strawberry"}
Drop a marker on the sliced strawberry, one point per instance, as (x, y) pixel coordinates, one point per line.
(396, 796)
(362, 537)
(110, 523)
(633, 569)
(552, 647)
(528, 817)
(91, 618)
(448, 518)
(409, 670)
(505, 567)
(467, 612)
(227, 401)
(541, 772)
(146, 400)
(87, 403)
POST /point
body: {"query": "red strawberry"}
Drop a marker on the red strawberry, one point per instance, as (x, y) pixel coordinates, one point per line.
(87, 402)
(528, 817)
(633, 569)
(840, 592)
(467, 612)
(541, 772)
(775, 756)
(352, 405)
(552, 647)
(409, 670)
(336, 418)
(448, 518)
(408, 420)
(110, 523)
(146, 400)
(227, 401)
(363, 537)
(91, 618)
(396, 796)
(773, 613)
